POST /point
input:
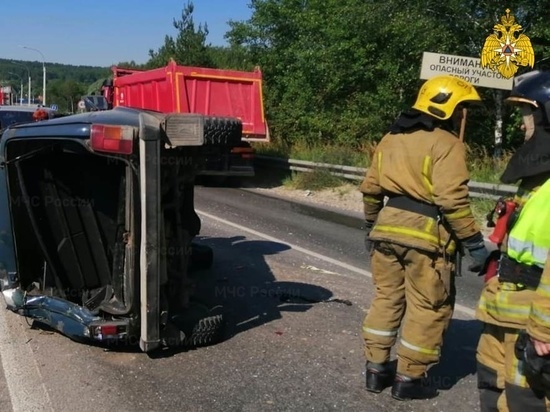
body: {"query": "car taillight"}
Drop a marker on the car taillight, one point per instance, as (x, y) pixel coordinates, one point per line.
(113, 139)
(245, 152)
(109, 331)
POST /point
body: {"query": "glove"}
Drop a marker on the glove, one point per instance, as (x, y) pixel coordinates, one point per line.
(369, 244)
(534, 364)
(475, 245)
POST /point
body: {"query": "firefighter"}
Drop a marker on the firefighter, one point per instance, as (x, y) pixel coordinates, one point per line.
(39, 115)
(420, 167)
(517, 298)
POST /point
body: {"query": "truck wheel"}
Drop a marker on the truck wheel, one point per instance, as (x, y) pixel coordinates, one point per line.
(200, 325)
(222, 131)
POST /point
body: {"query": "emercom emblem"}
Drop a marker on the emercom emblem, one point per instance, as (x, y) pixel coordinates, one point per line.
(507, 48)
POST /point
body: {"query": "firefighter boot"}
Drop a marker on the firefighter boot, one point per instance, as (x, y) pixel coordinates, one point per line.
(406, 388)
(379, 376)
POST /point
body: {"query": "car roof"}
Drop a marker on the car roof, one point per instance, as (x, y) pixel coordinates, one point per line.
(33, 108)
(78, 124)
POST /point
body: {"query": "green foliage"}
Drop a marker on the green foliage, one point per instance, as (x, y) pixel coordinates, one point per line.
(66, 94)
(62, 80)
(188, 48)
(481, 208)
(315, 180)
(336, 72)
(484, 166)
(232, 58)
(339, 71)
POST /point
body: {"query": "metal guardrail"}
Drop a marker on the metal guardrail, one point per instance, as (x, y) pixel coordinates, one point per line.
(477, 189)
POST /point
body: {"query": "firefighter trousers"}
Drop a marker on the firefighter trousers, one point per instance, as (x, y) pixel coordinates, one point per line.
(414, 290)
(502, 384)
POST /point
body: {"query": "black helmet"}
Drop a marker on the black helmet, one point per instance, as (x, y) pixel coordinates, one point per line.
(533, 88)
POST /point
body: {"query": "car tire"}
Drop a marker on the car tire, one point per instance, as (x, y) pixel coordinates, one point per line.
(201, 326)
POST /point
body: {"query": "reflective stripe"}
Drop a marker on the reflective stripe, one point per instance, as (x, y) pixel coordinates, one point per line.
(429, 225)
(529, 239)
(408, 231)
(427, 174)
(540, 317)
(527, 252)
(459, 214)
(415, 348)
(517, 367)
(502, 308)
(380, 332)
(379, 162)
(370, 199)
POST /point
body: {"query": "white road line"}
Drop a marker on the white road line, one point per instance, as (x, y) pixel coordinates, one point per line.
(464, 309)
(25, 383)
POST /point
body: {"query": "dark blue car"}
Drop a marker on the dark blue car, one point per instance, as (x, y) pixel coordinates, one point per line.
(97, 223)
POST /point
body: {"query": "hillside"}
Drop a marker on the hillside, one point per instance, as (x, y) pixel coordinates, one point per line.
(11, 69)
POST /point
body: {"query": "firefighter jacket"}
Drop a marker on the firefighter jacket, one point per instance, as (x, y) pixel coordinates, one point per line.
(428, 166)
(512, 304)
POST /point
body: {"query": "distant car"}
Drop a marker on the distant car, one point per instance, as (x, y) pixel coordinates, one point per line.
(11, 115)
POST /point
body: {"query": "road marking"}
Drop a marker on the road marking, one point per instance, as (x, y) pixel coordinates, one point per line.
(23, 378)
(458, 307)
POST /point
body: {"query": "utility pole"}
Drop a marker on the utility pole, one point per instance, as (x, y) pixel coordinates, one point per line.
(21, 89)
(43, 73)
(29, 74)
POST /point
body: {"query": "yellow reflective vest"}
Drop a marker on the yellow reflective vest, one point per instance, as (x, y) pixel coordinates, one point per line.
(529, 239)
(508, 304)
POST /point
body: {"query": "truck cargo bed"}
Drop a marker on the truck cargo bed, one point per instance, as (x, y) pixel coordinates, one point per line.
(185, 89)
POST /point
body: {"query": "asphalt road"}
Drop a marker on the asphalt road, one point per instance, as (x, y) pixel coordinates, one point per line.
(329, 231)
(295, 285)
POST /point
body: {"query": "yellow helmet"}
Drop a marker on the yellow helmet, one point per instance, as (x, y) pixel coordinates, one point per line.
(440, 95)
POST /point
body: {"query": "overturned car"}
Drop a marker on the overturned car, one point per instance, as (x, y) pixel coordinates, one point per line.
(98, 221)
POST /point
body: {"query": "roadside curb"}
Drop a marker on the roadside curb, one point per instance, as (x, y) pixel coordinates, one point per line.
(336, 215)
(333, 214)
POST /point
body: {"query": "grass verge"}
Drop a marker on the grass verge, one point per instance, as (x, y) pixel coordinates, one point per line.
(482, 165)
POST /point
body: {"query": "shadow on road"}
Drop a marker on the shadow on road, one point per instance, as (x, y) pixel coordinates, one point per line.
(458, 355)
(244, 284)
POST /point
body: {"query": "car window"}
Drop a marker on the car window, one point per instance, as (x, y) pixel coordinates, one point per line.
(95, 103)
(9, 117)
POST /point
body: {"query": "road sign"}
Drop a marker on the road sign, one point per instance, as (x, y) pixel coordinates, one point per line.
(467, 68)
(53, 107)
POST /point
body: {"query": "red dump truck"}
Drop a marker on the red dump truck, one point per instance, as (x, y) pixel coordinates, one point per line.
(211, 92)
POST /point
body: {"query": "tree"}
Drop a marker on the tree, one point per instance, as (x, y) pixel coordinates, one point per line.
(235, 57)
(66, 94)
(188, 48)
(339, 71)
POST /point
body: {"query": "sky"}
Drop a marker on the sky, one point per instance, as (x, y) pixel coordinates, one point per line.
(105, 32)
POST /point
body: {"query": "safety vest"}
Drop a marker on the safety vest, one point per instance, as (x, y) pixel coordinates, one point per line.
(529, 239)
